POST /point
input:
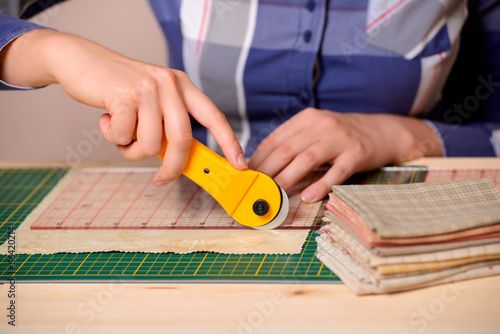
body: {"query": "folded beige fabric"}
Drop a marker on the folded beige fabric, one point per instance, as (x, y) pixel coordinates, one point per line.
(423, 209)
(363, 255)
(407, 269)
(372, 240)
(391, 251)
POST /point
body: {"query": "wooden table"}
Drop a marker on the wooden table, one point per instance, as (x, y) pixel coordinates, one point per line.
(125, 307)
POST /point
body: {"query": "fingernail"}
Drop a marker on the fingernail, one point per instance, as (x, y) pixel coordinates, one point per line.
(160, 184)
(309, 195)
(242, 161)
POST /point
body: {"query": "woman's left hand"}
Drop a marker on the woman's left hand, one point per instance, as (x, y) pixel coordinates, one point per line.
(349, 142)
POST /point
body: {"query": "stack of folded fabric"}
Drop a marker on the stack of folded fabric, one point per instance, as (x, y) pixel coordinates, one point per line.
(388, 238)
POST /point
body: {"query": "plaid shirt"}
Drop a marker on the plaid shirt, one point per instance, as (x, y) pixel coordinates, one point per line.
(263, 61)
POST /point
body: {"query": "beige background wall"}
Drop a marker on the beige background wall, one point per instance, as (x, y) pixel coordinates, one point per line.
(46, 123)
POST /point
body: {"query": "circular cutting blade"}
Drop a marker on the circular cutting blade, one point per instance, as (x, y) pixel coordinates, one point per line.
(280, 217)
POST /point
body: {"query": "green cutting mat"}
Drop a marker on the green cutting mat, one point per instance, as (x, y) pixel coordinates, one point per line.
(22, 189)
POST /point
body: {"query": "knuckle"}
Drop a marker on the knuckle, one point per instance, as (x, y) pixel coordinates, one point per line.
(358, 149)
(310, 111)
(234, 142)
(267, 142)
(126, 96)
(334, 122)
(170, 175)
(309, 158)
(119, 134)
(152, 151)
(219, 116)
(282, 182)
(182, 139)
(128, 155)
(123, 141)
(342, 172)
(149, 84)
(166, 75)
(120, 138)
(180, 75)
(323, 186)
(285, 152)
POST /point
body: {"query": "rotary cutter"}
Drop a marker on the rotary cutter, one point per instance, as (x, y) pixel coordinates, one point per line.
(251, 198)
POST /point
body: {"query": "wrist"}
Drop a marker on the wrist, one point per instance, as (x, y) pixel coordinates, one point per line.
(421, 140)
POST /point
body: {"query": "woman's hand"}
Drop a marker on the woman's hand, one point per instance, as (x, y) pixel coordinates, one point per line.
(144, 101)
(350, 143)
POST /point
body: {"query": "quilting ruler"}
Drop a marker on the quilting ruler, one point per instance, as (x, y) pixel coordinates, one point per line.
(21, 190)
(126, 199)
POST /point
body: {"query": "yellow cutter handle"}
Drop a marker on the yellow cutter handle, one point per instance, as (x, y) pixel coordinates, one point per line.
(251, 198)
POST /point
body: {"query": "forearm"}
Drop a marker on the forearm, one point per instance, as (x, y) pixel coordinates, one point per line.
(41, 57)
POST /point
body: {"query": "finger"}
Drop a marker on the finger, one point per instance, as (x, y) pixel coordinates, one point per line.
(149, 127)
(132, 151)
(104, 124)
(179, 136)
(279, 137)
(122, 125)
(306, 161)
(284, 154)
(208, 115)
(343, 167)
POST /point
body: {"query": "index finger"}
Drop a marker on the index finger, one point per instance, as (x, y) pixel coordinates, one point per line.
(208, 115)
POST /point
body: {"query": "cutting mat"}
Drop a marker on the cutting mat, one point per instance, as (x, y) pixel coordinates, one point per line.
(22, 189)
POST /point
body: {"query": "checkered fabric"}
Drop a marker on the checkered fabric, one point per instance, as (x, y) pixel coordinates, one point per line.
(423, 209)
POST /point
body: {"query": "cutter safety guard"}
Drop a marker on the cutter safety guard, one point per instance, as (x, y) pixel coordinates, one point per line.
(250, 197)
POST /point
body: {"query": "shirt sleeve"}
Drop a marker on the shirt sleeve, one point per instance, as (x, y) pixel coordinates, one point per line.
(468, 122)
(10, 29)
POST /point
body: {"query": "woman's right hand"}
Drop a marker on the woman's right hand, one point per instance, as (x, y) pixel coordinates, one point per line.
(144, 101)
